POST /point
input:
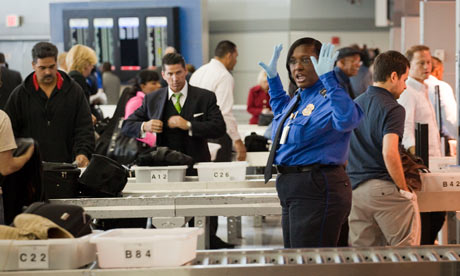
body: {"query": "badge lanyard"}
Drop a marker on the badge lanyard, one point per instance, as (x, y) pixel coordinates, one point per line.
(285, 132)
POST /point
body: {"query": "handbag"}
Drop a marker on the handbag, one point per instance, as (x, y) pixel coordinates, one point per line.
(124, 149)
(70, 217)
(103, 177)
(255, 142)
(413, 166)
(60, 180)
(265, 119)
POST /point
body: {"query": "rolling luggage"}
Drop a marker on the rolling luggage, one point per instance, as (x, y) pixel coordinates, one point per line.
(60, 180)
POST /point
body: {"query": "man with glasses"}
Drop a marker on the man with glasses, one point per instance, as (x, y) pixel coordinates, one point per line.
(348, 63)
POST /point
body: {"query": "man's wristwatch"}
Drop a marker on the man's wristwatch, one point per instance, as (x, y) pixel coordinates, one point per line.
(189, 125)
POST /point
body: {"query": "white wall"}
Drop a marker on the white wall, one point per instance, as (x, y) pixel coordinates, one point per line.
(395, 39)
(437, 31)
(248, 9)
(410, 32)
(371, 39)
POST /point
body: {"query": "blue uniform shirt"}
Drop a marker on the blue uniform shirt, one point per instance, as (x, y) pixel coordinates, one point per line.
(321, 137)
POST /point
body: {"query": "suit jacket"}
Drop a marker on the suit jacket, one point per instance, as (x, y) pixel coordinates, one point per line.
(200, 108)
(10, 79)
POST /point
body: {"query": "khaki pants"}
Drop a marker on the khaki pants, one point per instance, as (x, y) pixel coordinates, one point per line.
(382, 215)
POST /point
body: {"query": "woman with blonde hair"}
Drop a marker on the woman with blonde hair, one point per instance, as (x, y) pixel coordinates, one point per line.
(258, 98)
(80, 61)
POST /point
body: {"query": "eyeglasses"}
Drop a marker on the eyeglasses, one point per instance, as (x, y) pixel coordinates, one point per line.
(303, 61)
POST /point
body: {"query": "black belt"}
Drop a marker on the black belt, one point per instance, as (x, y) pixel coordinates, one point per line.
(299, 169)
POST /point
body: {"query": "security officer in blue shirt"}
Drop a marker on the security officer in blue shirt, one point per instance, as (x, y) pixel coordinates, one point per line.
(311, 134)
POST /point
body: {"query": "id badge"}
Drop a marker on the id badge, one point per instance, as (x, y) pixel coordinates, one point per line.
(284, 134)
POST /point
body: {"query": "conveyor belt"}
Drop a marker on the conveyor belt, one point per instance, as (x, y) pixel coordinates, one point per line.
(393, 261)
(324, 256)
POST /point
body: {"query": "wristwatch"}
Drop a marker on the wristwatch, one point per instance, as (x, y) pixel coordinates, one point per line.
(189, 125)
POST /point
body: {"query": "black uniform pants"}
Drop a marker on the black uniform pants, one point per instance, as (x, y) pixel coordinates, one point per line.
(315, 204)
(431, 224)
(225, 152)
(223, 155)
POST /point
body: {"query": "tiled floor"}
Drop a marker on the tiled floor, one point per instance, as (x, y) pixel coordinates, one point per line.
(268, 235)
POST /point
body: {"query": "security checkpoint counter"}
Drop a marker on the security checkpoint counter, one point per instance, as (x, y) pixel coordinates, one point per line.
(171, 208)
(172, 204)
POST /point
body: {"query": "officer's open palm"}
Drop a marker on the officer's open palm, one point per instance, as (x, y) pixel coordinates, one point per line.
(326, 59)
(270, 69)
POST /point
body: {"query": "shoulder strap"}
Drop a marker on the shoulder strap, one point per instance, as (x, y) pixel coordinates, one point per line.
(1, 82)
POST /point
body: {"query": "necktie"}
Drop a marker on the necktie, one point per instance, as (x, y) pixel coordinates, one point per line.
(177, 103)
(276, 141)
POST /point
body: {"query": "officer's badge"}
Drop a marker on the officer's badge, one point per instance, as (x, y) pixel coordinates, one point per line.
(323, 92)
(308, 110)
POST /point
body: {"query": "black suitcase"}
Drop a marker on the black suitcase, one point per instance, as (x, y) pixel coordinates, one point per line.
(70, 217)
(60, 180)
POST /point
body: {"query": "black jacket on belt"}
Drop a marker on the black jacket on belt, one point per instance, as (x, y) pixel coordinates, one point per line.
(62, 124)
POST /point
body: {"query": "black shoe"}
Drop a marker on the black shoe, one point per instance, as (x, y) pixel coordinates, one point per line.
(216, 243)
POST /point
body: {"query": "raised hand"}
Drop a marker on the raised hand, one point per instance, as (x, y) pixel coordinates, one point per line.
(271, 68)
(326, 59)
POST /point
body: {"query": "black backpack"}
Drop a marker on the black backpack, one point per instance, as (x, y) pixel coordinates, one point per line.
(70, 217)
(255, 142)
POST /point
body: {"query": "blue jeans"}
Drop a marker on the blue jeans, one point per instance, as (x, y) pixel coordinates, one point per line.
(315, 205)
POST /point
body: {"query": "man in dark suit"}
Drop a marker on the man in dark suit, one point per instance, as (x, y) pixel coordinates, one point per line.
(9, 79)
(183, 117)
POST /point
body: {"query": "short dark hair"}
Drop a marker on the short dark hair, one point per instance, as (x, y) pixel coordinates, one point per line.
(302, 41)
(147, 75)
(348, 52)
(389, 62)
(2, 58)
(44, 50)
(172, 59)
(416, 48)
(106, 67)
(143, 77)
(224, 47)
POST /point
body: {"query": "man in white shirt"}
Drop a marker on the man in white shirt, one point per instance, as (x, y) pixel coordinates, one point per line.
(419, 109)
(416, 101)
(216, 77)
(447, 100)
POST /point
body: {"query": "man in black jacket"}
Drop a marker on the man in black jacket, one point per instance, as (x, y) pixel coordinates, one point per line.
(51, 108)
(9, 79)
(182, 116)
